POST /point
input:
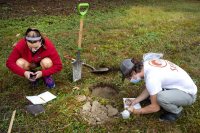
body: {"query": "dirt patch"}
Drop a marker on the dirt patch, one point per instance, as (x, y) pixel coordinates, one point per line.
(196, 43)
(104, 90)
(24, 8)
(95, 113)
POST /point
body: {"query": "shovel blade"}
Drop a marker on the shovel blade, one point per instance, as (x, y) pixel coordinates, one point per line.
(77, 68)
(100, 70)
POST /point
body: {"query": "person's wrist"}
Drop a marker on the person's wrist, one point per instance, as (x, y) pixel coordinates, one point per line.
(130, 109)
(134, 101)
(41, 75)
(25, 72)
(140, 111)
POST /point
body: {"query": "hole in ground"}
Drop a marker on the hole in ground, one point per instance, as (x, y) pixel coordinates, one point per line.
(197, 43)
(104, 90)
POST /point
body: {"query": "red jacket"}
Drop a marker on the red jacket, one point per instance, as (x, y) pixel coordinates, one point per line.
(22, 50)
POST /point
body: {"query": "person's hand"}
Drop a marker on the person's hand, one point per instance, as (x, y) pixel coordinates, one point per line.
(29, 75)
(38, 74)
(130, 102)
(133, 102)
(131, 109)
(134, 111)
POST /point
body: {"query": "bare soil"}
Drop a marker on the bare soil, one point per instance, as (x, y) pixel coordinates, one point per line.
(24, 8)
(104, 90)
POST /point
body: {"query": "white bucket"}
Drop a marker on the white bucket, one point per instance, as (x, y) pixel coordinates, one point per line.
(125, 114)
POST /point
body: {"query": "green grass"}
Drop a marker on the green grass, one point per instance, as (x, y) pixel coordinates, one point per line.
(111, 34)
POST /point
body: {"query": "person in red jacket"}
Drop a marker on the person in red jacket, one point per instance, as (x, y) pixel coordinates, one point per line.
(31, 52)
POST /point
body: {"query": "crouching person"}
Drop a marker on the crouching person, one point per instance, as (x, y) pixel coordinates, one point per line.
(167, 85)
(31, 52)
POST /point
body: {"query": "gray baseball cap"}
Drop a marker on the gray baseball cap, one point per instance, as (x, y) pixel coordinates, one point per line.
(126, 67)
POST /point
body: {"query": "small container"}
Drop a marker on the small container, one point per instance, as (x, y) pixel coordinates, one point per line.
(125, 114)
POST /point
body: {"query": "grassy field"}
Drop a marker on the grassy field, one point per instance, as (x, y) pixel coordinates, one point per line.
(112, 33)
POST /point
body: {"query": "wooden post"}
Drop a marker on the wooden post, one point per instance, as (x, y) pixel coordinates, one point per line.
(11, 121)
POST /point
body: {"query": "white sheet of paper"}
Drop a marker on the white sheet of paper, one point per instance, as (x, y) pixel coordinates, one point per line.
(35, 99)
(42, 98)
(136, 106)
(47, 96)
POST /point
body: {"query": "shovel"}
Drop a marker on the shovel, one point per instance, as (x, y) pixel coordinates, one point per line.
(77, 64)
(93, 69)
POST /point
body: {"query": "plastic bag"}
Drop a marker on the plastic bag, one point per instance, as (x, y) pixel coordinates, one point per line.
(150, 56)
